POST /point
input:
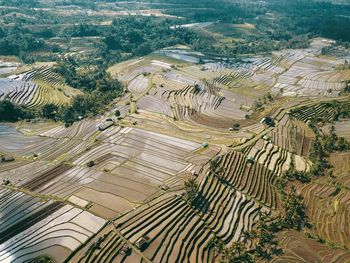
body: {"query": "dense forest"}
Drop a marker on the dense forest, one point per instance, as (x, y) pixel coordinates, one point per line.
(280, 24)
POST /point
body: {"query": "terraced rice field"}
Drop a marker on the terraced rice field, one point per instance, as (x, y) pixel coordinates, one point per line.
(328, 204)
(341, 163)
(325, 111)
(89, 194)
(174, 231)
(130, 165)
(298, 248)
(329, 209)
(7, 67)
(253, 180)
(226, 211)
(271, 156)
(109, 250)
(35, 88)
(32, 227)
(343, 129)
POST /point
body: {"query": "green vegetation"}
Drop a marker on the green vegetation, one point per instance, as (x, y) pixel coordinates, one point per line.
(229, 198)
(333, 143)
(347, 86)
(50, 111)
(301, 176)
(259, 104)
(99, 87)
(18, 41)
(323, 145)
(294, 210)
(141, 36)
(11, 112)
(19, 3)
(43, 259)
(87, 77)
(81, 107)
(257, 245)
(313, 17)
(191, 188)
(273, 25)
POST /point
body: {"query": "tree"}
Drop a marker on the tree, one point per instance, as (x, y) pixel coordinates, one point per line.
(258, 105)
(216, 244)
(8, 111)
(117, 113)
(236, 126)
(42, 259)
(50, 111)
(301, 176)
(295, 214)
(11, 112)
(191, 188)
(69, 116)
(334, 143)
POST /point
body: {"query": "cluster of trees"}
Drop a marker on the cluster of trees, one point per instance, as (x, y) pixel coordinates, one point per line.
(212, 10)
(88, 77)
(294, 216)
(279, 24)
(99, 91)
(85, 105)
(301, 176)
(84, 30)
(333, 143)
(324, 142)
(83, 3)
(323, 145)
(10, 112)
(42, 259)
(347, 86)
(16, 41)
(37, 3)
(260, 244)
(259, 104)
(322, 18)
(253, 44)
(139, 36)
(257, 245)
(82, 106)
(98, 86)
(20, 3)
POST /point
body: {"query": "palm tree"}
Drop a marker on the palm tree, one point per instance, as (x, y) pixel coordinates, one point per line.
(191, 190)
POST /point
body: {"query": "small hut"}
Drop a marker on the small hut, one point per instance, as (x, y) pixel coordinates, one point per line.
(141, 243)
